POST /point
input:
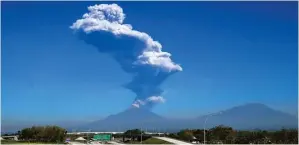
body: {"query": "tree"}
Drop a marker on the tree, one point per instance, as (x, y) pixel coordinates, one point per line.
(198, 133)
(133, 134)
(173, 135)
(222, 134)
(244, 137)
(186, 135)
(19, 132)
(52, 134)
(226, 134)
(285, 136)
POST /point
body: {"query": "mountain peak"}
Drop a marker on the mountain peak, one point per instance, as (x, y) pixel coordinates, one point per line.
(251, 115)
(256, 115)
(127, 119)
(250, 107)
(255, 105)
(134, 115)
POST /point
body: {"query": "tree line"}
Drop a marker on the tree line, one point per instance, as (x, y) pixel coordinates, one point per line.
(135, 135)
(227, 135)
(218, 134)
(50, 134)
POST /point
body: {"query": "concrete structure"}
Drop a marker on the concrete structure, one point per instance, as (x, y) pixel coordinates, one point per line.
(113, 142)
(80, 139)
(174, 141)
(12, 137)
(158, 133)
(95, 132)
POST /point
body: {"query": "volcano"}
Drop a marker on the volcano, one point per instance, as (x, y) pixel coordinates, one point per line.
(248, 116)
(251, 116)
(128, 119)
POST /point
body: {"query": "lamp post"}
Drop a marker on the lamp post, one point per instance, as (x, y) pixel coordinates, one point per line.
(141, 135)
(204, 127)
(88, 136)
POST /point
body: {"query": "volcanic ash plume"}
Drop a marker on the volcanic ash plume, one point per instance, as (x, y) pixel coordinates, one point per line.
(135, 51)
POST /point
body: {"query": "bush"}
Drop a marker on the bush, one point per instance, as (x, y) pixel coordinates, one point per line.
(52, 134)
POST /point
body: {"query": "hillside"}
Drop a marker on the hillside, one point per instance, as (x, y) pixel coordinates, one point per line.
(248, 116)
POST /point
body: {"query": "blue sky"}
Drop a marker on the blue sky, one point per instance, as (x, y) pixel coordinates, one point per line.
(232, 53)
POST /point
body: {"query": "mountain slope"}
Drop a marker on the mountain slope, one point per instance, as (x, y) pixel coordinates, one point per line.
(251, 116)
(130, 118)
(248, 116)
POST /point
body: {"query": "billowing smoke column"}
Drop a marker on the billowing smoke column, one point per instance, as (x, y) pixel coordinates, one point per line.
(136, 52)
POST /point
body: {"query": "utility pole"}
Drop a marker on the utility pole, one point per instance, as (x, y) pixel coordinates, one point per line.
(141, 135)
(159, 131)
(204, 127)
(88, 136)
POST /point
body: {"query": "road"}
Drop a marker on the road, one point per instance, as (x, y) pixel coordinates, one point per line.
(95, 142)
(171, 140)
(114, 142)
(75, 143)
(174, 141)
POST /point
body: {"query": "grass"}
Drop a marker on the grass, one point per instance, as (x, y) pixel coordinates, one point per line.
(155, 141)
(21, 142)
(151, 141)
(10, 142)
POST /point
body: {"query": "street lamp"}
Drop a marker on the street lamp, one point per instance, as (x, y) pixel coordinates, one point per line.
(141, 135)
(204, 127)
(88, 136)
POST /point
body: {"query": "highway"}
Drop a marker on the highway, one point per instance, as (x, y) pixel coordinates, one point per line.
(174, 141)
(113, 142)
(95, 132)
(76, 143)
(159, 133)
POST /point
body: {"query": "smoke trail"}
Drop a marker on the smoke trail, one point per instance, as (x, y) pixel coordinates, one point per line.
(135, 51)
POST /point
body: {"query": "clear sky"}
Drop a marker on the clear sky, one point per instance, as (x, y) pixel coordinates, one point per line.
(232, 53)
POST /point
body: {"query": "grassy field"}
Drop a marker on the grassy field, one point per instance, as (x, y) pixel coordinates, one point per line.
(155, 141)
(21, 142)
(151, 141)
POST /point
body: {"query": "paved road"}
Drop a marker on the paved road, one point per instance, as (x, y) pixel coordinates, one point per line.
(114, 142)
(171, 140)
(174, 141)
(76, 143)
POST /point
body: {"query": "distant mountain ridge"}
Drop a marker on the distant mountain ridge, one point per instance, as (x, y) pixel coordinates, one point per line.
(136, 114)
(248, 116)
(130, 118)
(253, 116)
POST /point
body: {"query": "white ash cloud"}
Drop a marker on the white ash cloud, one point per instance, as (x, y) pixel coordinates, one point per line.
(136, 52)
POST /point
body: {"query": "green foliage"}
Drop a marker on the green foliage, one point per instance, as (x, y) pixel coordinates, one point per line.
(133, 132)
(149, 141)
(221, 134)
(154, 141)
(186, 135)
(21, 142)
(227, 135)
(174, 135)
(285, 136)
(53, 134)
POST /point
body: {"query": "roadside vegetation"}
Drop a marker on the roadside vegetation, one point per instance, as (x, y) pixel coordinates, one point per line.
(39, 135)
(219, 134)
(227, 135)
(22, 142)
(155, 141)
